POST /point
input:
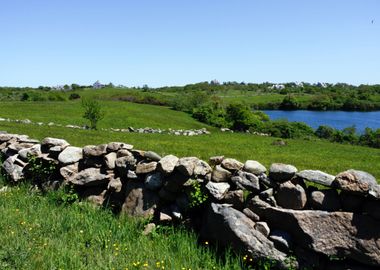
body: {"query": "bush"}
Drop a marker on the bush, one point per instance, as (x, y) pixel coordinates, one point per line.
(74, 96)
(92, 112)
(241, 118)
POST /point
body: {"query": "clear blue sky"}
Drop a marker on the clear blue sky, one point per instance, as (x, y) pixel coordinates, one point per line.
(172, 42)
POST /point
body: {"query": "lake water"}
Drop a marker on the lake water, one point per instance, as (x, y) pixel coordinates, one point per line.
(336, 119)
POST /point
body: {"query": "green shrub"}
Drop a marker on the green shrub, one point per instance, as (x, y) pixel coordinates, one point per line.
(92, 112)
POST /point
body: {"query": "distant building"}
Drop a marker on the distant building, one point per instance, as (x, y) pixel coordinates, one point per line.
(98, 85)
(277, 86)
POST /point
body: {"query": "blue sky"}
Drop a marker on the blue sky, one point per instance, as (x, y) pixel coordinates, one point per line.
(168, 42)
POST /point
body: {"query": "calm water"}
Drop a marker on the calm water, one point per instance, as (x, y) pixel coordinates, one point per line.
(336, 119)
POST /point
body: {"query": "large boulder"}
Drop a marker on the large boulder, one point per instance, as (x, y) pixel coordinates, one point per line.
(230, 227)
(217, 190)
(318, 177)
(339, 234)
(70, 155)
(186, 165)
(202, 168)
(355, 181)
(139, 201)
(35, 150)
(146, 167)
(54, 142)
(89, 177)
(281, 172)
(291, 196)
(13, 168)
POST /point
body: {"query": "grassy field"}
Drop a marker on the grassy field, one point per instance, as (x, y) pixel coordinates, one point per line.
(118, 114)
(39, 234)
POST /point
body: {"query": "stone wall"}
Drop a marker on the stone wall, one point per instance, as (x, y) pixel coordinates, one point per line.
(300, 218)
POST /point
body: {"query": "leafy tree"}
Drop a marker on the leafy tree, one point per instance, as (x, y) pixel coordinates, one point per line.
(289, 103)
(92, 112)
(324, 132)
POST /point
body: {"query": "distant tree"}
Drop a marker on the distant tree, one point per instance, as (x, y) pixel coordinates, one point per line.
(75, 86)
(289, 103)
(66, 87)
(92, 112)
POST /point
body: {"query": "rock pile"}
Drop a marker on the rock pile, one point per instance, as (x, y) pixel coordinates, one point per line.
(275, 213)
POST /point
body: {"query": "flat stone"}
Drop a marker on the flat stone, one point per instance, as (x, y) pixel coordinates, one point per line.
(123, 153)
(235, 198)
(220, 174)
(69, 171)
(251, 215)
(95, 150)
(232, 164)
(35, 150)
(340, 234)
(217, 190)
(115, 146)
(255, 167)
(281, 172)
(316, 176)
(152, 156)
(146, 167)
(89, 177)
(167, 164)
(70, 155)
(55, 142)
(202, 169)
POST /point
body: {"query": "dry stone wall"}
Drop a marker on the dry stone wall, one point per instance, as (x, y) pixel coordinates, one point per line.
(296, 218)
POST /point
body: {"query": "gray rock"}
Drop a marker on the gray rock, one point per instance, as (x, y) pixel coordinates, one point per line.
(70, 155)
(354, 181)
(123, 153)
(131, 175)
(54, 142)
(374, 191)
(281, 172)
(146, 167)
(340, 234)
(327, 200)
(12, 169)
(152, 156)
(69, 171)
(217, 160)
(245, 180)
(202, 169)
(229, 227)
(35, 150)
(235, 198)
(282, 240)
(123, 164)
(262, 227)
(167, 164)
(115, 146)
(291, 196)
(89, 177)
(255, 167)
(251, 215)
(95, 151)
(153, 181)
(115, 185)
(318, 177)
(110, 160)
(186, 165)
(139, 201)
(19, 146)
(232, 164)
(217, 190)
(220, 175)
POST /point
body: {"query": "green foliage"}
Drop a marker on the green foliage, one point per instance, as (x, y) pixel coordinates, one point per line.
(241, 117)
(65, 195)
(197, 195)
(92, 112)
(39, 170)
(74, 96)
(289, 103)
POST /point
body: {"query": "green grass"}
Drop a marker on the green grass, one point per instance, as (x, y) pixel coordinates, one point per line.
(315, 154)
(38, 234)
(118, 114)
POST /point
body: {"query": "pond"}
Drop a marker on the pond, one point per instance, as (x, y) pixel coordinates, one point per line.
(336, 119)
